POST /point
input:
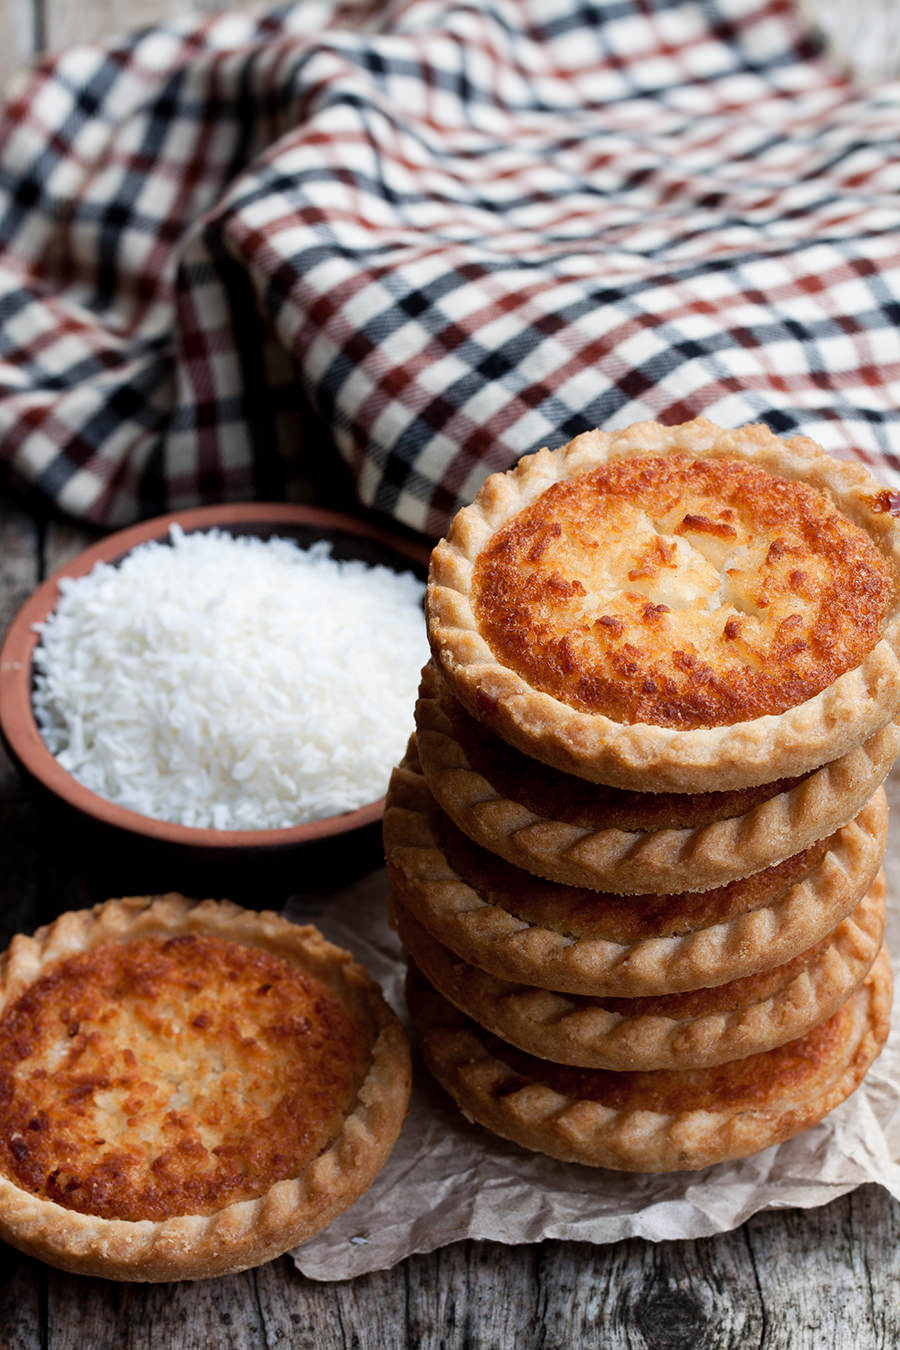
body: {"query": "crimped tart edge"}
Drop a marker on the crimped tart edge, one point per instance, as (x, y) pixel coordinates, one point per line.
(540, 1119)
(642, 756)
(551, 1026)
(633, 861)
(246, 1233)
(504, 945)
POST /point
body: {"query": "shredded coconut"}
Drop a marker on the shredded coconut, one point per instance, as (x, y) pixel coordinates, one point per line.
(230, 682)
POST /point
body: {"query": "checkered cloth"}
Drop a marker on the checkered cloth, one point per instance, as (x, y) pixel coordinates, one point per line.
(432, 236)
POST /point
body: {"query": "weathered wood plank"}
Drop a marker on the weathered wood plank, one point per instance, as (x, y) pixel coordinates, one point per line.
(665, 1296)
(307, 1315)
(463, 1296)
(86, 22)
(60, 877)
(862, 33)
(67, 24)
(20, 558)
(785, 1281)
(21, 1288)
(874, 1229)
(19, 36)
(63, 540)
(829, 1277)
(826, 1278)
(20, 563)
(20, 1301)
(797, 1280)
(84, 1313)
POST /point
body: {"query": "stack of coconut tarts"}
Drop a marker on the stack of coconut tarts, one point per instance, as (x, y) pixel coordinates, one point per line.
(635, 846)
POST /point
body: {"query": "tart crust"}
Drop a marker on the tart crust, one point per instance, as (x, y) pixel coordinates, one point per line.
(332, 1173)
(554, 795)
(647, 755)
(661, 1120)
(560, 827)
(692, 1030)
(581, 943)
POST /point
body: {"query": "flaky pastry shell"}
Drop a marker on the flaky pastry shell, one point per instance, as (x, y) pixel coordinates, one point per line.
(629, 861)
(663, 1120)
(248, 1232)
(640, 755)
(554, 795)
(710, 1026)
(496, 939)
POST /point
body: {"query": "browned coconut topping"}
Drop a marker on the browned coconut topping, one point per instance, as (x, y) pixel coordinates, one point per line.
(147, 1079)
(681, 592)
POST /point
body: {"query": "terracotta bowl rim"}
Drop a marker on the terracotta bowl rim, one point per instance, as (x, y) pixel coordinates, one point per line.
(20, 729)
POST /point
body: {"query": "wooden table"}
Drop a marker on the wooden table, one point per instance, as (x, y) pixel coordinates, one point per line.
(867, 30)
(792, 1279)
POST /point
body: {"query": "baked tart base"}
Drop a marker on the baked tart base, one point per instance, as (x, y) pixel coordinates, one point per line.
(554, 795)
(515, 584)
(658, 1121)
(190, 1088)
(541, 933)
(582, 834)
(678, 1031)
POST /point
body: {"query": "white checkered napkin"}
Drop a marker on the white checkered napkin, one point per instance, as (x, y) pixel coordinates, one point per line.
(435, 236)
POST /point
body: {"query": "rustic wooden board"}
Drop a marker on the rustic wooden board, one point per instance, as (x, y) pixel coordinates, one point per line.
(20, 36)
(784, 1281)
(789, 1280)
(28, 27)
(865, 30)
(68, 23)
(20, 549)
(862, 33)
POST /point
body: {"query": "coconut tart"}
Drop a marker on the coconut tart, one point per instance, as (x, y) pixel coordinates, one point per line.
(676, 1031)
(562, 827)
(659, 1120)
(674, 609)
(524, 929)
(188, 1089)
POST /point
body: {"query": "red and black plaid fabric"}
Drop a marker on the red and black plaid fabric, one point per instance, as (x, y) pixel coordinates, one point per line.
(431, 236)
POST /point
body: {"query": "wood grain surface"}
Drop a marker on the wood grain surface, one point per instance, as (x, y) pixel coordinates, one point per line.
(865, 32)
(789, 1280)
(781, 1282)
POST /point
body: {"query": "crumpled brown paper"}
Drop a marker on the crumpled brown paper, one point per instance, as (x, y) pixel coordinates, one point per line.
(448, 1179)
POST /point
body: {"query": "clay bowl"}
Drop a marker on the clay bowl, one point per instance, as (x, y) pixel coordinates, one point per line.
(117, 851)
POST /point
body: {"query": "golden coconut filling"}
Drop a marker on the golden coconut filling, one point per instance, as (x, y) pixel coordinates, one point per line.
(680, 592)
(148, 1079)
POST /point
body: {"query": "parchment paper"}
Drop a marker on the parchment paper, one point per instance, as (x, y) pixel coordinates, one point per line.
(447, 1179)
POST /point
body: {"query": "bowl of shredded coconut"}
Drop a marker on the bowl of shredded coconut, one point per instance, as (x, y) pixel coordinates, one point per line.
(229, 680)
